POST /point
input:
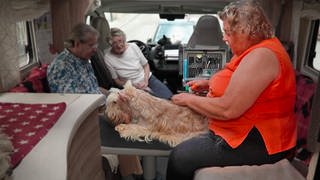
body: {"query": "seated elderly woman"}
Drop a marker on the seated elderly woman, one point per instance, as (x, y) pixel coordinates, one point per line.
(126, 62)
(250, 103)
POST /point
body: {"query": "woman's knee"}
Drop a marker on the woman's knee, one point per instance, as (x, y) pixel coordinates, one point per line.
(179, 166)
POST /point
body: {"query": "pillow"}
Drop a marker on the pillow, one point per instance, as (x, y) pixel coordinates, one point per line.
(36, 81)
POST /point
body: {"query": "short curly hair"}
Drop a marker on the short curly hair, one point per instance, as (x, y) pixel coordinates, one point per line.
(247, 16)
(117, 32)
(80, 32)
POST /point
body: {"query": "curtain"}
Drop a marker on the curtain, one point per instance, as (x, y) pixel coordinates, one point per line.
(73, 12)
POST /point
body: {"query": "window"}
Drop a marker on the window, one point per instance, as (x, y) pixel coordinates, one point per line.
(316, 60)
(314, 51)
(26, 50)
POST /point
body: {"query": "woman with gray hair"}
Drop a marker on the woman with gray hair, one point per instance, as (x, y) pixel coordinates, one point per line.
(125, 61)
(71, 71)
(250, 103)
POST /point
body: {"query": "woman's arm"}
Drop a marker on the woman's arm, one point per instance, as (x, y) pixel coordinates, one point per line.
(255, 72)
(145, 83)
(146, 70)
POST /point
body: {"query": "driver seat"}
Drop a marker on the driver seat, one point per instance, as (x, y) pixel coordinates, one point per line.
(207, 33)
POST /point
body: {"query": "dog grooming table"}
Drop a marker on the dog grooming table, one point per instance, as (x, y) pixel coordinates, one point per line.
(112, 143)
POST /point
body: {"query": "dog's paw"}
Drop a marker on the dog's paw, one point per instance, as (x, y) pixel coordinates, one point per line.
(125, 131)
(120, 128)
(132, 132)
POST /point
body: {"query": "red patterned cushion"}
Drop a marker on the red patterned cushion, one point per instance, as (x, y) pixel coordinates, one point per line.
(305, 92)
(35, 82)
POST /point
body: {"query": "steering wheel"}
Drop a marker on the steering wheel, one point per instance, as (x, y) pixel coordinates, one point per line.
(143, 47)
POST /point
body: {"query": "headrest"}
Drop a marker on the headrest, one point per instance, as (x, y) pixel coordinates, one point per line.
(207, 33)
(102, 26)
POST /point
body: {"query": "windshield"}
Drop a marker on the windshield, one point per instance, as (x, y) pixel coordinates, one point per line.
(177, 31)
(150, 28)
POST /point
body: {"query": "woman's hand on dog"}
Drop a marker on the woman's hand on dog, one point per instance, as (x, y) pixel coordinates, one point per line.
(182, 99)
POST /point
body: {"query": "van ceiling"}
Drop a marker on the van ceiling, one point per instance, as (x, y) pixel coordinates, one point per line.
(163, 6)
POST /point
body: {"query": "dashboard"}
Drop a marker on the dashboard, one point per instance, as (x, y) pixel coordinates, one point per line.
(174, 64)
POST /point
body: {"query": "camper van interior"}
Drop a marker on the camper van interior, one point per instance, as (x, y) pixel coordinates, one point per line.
(58, 136)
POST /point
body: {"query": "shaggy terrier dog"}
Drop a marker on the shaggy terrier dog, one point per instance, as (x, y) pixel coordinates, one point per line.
(143, 117)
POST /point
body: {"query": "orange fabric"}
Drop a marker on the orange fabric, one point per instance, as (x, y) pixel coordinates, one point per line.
(273, 112)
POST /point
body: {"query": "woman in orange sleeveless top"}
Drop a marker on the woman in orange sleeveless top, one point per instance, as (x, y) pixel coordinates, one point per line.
(250, 102)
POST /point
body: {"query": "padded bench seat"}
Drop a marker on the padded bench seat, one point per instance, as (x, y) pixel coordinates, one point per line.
(280, 170)
(112, 143)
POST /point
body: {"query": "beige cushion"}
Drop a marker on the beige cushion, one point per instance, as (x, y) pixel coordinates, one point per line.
(280, 170)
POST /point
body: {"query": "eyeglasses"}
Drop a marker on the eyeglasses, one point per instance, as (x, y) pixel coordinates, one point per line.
(117, 43)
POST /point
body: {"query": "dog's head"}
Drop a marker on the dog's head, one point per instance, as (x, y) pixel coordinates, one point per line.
(129, 90)
(119, 111)
(116, 111)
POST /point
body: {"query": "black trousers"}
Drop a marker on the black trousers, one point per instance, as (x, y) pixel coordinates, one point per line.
(211, 150)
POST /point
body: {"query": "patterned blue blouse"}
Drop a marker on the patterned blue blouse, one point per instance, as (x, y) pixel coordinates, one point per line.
(70, 74)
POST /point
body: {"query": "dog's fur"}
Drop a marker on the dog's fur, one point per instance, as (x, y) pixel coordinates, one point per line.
(6, 149)
(152, 118)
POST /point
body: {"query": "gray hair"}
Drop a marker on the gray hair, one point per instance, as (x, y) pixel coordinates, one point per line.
(117, 32)
(80, 32)
(247, 16)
